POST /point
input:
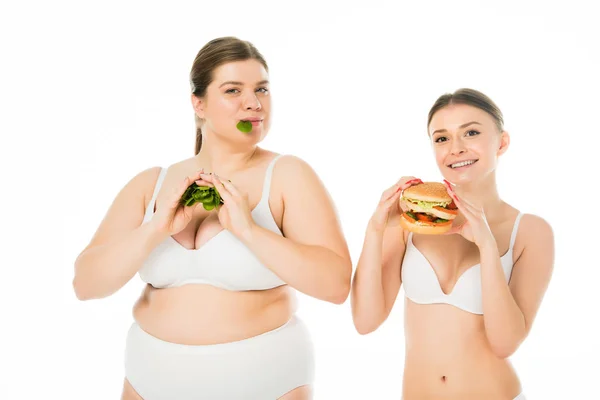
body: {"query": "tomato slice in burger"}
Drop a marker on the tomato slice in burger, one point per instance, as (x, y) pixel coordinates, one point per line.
(408, 216)
(432, 223)
(424, 217)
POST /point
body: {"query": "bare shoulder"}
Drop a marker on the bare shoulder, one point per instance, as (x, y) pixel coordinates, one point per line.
(145, 181)
(534, 232)
(536, 225)
(128, 207)
(292, 170)
(309, 214)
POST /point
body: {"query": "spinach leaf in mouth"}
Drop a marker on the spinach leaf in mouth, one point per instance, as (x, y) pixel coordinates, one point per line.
(244, 126)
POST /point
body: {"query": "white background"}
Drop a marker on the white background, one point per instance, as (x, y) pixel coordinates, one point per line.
(92, 93)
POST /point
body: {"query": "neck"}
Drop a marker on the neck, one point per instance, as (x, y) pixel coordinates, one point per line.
(221, 157)
(484, 194)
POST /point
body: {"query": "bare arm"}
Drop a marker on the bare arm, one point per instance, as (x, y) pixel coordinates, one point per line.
(120, 244)
(377, 278)
(312, 256)
(509, 310)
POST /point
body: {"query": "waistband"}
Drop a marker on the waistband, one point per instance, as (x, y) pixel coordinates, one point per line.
(293, 327)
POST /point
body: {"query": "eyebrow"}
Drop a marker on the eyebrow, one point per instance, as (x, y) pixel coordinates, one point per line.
(460, 127)
(263, 82)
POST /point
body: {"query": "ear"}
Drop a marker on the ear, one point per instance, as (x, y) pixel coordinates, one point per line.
(504, 143)
(198, 105)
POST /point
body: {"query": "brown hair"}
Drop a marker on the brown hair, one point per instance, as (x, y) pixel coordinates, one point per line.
(215, 53)
(469, 97)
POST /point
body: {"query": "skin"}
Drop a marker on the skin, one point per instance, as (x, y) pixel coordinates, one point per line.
(312, 256)
(468, 358)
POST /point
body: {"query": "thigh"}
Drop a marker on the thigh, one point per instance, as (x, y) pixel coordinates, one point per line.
(300, 393)
(129, 392)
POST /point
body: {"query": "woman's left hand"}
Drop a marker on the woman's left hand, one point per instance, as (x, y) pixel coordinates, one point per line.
(475, 228)
(234, 214)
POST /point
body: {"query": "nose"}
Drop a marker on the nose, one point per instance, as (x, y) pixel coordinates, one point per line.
(251, 102)
(457, 147)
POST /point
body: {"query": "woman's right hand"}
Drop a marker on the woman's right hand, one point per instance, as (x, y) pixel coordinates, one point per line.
(172, 217)
(389, 205)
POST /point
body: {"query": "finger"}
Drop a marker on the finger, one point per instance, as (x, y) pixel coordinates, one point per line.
(207, 177)
(389, 192)
(202, 182)
(453, 192)
(401, 185)
(223, 192)
(392, 200)
(229, 186)
(196, 175)
(454, 230)
(179, 190)
(410, 181)
(464, 204)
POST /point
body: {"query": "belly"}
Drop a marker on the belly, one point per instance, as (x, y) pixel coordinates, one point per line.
(202, 314)
(448, 357)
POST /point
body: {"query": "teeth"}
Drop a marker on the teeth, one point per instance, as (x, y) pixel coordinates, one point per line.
(462, 164)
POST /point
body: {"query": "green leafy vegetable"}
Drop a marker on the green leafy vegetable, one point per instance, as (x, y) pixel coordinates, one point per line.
(208, 196)
(244, 126)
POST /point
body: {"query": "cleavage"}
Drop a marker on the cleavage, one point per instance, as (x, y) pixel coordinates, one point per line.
(199, 231)
(448, 266)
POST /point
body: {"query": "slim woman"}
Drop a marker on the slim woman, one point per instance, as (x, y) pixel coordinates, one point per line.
(471, 295)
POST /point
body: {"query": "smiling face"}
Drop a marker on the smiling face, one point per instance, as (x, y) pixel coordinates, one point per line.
(239, 91)
(466, 142)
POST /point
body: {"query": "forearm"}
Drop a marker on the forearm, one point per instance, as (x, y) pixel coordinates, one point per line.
(313, 270)
(504, 322)
(102, 270)
(368, 299)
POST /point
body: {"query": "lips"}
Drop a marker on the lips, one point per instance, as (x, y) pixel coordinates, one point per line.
(254, 121)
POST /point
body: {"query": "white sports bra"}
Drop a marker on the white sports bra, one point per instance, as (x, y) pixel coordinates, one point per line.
(421, 284)
(224, 261)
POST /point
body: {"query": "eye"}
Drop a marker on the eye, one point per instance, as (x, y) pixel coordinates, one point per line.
(441, 139)
(263, 90)
(232, 91)
(472, 133)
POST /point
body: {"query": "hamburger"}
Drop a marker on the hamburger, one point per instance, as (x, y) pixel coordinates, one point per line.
(428, 209)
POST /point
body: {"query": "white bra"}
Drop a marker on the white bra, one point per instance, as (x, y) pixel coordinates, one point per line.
(224, 261)
(421, 284)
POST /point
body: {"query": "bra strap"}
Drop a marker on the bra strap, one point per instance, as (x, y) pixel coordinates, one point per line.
(515, 229)
(159, 182)
(268, 176)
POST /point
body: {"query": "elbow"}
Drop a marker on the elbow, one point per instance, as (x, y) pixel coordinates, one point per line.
(364, 327)
(78, 286)
(506, 348)
(505, 344)
(341, 291)
(504, 351)
(365, 323)
(80, 292)
(340, 294)
(83, 290)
